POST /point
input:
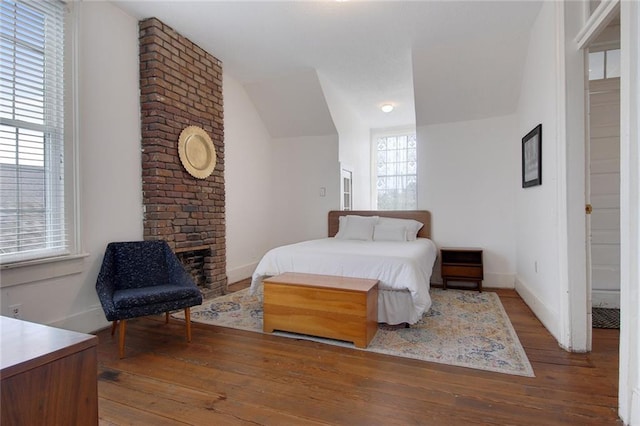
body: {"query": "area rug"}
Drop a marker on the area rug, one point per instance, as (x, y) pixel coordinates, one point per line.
(605, 318)
(462, 328)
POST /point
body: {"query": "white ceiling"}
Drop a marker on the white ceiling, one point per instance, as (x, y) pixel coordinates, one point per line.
(462, 59)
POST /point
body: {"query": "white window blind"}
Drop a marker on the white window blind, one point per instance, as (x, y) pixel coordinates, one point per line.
(32, 207)
(396, 172)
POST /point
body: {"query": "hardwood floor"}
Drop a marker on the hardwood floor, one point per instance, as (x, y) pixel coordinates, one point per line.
(236, 377)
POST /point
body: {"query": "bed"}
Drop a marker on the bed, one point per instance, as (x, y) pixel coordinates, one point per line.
(402, 267)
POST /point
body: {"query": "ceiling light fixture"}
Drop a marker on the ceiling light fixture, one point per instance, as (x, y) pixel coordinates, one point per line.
(386, 108)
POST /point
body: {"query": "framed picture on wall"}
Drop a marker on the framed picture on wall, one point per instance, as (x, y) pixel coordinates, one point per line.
(532, 158)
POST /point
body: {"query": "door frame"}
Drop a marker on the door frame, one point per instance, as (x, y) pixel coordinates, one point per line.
(629, 363)
(573, 127)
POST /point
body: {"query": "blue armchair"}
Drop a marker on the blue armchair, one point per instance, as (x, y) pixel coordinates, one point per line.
(140, 278)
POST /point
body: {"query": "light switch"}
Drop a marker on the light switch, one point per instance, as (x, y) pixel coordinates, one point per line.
(323, 191)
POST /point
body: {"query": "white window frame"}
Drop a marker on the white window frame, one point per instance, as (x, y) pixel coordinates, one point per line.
(378, 133)
(69, 260)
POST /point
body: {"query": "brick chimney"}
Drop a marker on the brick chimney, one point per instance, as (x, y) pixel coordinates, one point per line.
(181, 86)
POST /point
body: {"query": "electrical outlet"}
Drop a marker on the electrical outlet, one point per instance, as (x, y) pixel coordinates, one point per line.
(16, 310)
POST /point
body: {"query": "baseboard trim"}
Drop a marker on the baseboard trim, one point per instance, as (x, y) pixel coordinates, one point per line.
(546, 315)
(88, 321)
(243, 272)
(494, 280)
(605, 299)
(491, 280)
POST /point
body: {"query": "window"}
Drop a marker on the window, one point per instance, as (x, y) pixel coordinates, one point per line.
(396, 171)
(604, 64)
(33, 219)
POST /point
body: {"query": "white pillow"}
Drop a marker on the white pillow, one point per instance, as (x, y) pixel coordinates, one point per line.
(354, 227)
(389, 232)
(411, 226)
(342, 224)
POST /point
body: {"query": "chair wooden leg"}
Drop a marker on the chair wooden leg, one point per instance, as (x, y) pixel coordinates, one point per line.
(166, 318)
(123, 330)
(113, 327)
(187, 320)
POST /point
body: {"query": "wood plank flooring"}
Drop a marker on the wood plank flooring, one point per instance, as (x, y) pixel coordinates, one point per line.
(234, 377)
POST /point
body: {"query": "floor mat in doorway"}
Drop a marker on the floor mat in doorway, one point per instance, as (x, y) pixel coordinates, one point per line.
(605, 318)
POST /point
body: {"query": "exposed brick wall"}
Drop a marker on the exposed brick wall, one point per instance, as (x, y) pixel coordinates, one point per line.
(180, 86)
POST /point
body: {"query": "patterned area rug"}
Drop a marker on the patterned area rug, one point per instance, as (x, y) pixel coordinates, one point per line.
(605, 318)
(462, 328)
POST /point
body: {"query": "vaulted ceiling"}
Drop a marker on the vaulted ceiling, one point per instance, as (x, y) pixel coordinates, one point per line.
(436, 61)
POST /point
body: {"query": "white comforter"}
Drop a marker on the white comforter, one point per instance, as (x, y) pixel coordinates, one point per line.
(403, 265)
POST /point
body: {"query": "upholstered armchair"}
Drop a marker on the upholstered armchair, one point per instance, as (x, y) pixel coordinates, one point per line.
(140, 278)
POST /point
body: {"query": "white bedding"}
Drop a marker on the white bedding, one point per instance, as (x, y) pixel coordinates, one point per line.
(405, 265)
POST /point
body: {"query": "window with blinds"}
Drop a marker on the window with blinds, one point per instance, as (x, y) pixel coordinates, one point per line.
(396, 171)
(32, 201)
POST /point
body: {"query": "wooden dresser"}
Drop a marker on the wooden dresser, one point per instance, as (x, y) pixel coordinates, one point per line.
(48, 375)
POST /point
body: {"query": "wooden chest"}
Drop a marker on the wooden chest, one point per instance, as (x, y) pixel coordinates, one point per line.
(321, 305)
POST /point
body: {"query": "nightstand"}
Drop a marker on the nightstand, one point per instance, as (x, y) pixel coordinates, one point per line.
(462, 264)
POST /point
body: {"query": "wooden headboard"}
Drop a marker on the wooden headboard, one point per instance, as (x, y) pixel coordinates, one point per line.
(423, 216)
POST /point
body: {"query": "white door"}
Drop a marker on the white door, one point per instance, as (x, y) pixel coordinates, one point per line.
(346, 186)
(604, 183)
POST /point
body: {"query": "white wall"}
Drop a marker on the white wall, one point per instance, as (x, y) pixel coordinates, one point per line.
(538, 269)
(110, 170)
(467, 175)
(292, 105)
(575, 320)
(300, 168)
(248, 182)
(551, 238)
(354, 144)
(272, 187)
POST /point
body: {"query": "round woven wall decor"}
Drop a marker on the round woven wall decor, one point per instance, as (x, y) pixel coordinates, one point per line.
(196, 151)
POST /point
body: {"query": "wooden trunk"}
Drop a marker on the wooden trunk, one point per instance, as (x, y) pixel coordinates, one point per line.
(321, 305)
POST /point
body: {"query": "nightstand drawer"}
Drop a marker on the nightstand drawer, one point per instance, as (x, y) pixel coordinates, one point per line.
(471, 272)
